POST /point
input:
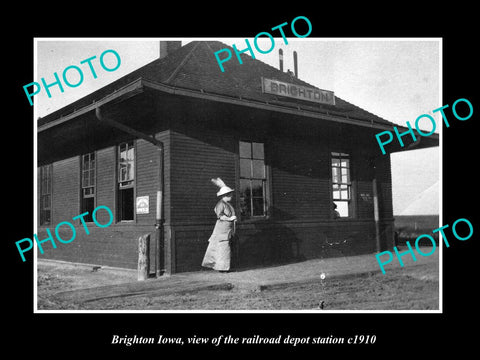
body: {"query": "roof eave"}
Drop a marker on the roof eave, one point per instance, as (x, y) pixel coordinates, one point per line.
(121, 94)
(259, 105)
(137, 86)
(421, 142)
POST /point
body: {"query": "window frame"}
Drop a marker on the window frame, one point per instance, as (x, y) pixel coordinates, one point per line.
(83, 186)
(350, 183)
(46, 174)
(266, 182)
(122, 185)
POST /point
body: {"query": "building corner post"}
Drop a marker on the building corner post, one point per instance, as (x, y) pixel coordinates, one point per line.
(159, 219)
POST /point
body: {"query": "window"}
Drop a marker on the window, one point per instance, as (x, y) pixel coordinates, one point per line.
(341, 184)
(88, 185)
(45, 194)
(126, 181)
(253, 180)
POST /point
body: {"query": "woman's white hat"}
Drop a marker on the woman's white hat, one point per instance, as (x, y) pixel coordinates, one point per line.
(224, 189)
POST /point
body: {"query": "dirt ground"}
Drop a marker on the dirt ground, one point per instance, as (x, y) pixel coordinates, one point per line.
(413, 287)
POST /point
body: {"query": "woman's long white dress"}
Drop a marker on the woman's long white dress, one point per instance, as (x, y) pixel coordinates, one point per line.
(218, 251)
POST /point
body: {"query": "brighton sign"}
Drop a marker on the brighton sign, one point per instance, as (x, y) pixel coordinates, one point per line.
(298, 92)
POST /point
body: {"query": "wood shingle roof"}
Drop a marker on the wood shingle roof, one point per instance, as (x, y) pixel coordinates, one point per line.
(194, 67)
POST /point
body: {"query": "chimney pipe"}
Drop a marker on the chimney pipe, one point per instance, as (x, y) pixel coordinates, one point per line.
(295, 64)
(280, 56)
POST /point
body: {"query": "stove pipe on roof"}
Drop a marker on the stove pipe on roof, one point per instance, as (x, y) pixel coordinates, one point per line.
(280, 56)
(295, 64)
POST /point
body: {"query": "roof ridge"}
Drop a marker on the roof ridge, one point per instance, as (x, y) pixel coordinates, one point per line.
(185, 59)
(203, 75)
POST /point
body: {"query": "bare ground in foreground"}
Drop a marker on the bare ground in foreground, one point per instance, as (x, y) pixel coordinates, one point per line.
(413, 287)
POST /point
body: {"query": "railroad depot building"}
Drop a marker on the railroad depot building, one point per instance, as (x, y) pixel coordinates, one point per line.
(157, 136)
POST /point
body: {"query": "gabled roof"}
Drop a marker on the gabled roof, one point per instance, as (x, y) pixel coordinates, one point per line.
(194, 67)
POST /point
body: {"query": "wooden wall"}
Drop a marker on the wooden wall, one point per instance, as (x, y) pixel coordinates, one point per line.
(300, 225)
(115, 245)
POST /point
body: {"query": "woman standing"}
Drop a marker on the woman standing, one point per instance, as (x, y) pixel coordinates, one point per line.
(218, 252)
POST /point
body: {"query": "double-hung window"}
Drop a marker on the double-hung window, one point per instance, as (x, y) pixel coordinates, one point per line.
(126, 181)
(341, 183)
(88, 185)
(253, 180)
(45, 194)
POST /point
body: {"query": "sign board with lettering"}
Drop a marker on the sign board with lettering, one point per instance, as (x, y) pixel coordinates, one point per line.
(142, 204)
(294, 91)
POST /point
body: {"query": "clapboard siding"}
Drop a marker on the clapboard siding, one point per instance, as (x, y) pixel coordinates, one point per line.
(116, 245)
(194, 162)
(300, 172)
(270, 243)
(105, 181)
(299, 227)
(300, 179)
(364, 195)
(66, 189)
(362, 174)
(296, 197)
(147, 177)
(112, 246)
(384, 178)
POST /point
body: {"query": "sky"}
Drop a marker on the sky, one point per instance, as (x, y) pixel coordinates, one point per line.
(397, 79)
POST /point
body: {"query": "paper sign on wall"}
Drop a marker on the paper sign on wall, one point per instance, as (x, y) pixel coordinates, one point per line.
(142, 205)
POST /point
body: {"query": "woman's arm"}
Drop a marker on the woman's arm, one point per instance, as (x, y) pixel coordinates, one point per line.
(228, 218)
(220, 211)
